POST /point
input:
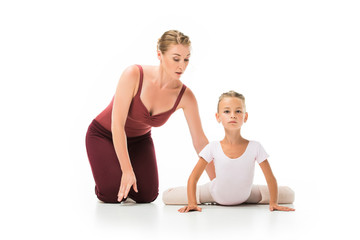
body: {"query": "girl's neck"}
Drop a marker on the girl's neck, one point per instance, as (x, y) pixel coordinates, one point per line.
(232, 137)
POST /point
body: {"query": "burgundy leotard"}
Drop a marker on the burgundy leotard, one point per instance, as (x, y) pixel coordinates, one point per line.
(139, 120)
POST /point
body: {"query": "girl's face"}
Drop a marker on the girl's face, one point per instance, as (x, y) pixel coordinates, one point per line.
(232, 113)
(175, 60)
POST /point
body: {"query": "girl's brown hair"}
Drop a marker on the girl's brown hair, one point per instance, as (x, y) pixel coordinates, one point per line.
(231, 94)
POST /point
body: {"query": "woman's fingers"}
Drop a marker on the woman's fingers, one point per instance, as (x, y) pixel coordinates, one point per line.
(135, 187)
(127, 181)
(121, 193)
(120, 197)
(127, 189)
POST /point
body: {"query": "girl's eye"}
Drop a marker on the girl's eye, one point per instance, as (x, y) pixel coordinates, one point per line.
(186, 60)
(238, 111)
(226, 111)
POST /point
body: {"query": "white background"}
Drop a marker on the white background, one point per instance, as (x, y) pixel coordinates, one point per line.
(296, 62)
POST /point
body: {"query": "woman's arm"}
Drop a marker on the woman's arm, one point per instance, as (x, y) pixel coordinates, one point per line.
(191, 187)
(124, 93)
(191, 112)
(273, 187)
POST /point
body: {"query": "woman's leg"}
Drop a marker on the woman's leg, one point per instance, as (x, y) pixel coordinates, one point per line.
(104, 163)
(143, 160)
(106, 169)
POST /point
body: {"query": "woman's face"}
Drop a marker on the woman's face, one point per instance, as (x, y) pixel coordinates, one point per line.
(175, 60)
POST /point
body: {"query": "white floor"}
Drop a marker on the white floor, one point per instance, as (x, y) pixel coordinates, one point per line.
(66, 218)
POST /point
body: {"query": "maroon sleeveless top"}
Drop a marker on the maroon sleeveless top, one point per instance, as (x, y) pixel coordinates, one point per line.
(139, 120)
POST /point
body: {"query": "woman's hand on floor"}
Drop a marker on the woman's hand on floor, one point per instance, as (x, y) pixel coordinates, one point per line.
(190, 208)
(128, 180)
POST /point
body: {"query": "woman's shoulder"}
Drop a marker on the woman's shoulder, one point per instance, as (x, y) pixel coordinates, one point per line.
(136, 68)
(132, 72)
(149, 70)
(129, 80)
(188, 98)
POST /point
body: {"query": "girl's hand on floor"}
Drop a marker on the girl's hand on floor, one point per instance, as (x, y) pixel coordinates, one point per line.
(275, 207)
(128, 180)
(190, 208)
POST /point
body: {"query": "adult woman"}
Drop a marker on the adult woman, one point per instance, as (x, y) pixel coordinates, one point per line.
(118, 141)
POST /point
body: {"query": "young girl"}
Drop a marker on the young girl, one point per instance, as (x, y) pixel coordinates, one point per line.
(234, 158)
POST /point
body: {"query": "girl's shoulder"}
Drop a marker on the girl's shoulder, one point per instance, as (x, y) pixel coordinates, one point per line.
(214, 143)
(257, 148)
(255, 143)
(211, 146)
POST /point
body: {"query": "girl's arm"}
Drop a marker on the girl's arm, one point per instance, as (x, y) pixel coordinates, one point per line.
(191, 187)
(199, 140)
(123, 96)
(273, 187)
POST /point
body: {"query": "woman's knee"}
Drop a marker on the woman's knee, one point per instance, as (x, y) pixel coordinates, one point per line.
(145, 198)
(106, 195)
(107, 198)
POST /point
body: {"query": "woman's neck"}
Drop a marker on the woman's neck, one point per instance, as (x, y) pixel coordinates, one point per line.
(163, 80)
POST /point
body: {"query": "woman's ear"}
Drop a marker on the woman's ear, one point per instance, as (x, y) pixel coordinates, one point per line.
(246, 117)
(159, 54)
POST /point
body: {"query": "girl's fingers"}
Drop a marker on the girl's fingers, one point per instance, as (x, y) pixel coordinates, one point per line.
(290, 209)
(188, 209)
(181, 209)
(286, 209)
(281, 208)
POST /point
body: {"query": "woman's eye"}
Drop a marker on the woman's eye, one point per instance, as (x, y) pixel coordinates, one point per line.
(186, 60)
(238, 111)
(226, 111)
(176, 60)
